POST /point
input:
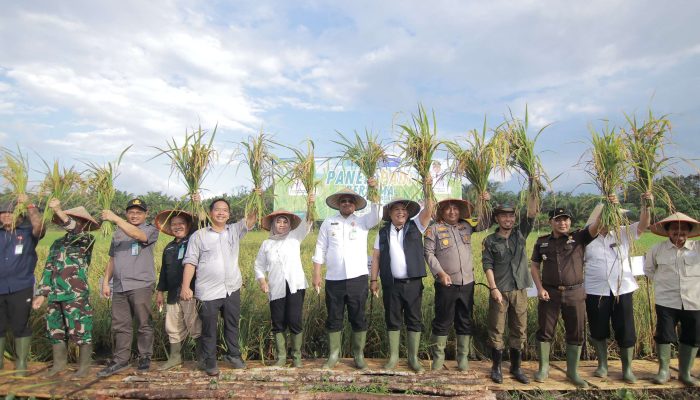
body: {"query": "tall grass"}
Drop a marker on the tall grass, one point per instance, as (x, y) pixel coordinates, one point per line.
(257, 155)
(303, 168)
(59, 183)
(365, 152)
(15, 172)
(101, 185)
(418, 142)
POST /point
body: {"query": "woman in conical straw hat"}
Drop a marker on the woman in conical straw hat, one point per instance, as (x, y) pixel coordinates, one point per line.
(64, 283)
(280, 274)
(674, 267)
(181, 319)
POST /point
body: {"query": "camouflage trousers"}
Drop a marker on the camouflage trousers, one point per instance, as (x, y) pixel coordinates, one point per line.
(70, 320)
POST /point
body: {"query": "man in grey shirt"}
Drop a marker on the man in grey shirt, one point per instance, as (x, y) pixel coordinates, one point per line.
(213, 253)
(132, 269)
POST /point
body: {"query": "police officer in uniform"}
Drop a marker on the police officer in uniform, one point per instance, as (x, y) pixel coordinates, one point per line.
(448, 252)
(560, 290)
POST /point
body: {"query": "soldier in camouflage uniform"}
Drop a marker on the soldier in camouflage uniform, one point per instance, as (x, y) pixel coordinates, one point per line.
(65, 284)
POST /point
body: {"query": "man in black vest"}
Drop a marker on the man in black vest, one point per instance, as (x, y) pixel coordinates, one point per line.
(398, 260)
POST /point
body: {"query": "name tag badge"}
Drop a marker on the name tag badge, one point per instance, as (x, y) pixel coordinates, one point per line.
(180, 253)
(18, 249)
(135, 249)
(545, 244)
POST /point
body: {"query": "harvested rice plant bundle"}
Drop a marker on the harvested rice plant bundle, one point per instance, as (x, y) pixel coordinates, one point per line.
(192, 161)
(258, 157)
(418, 142)
(59, 183)
(523, 156)
(646, 149)
(365, 152)
(477, 161)
(15, 172)
(302, 168)
(101, 185)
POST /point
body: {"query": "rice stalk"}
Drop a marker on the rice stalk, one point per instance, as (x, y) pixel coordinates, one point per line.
(15, 172)
(646, 149)
(477, 161)
(59, 183)
(302, 167)
(101, 184)
(260, 160)
(192, 161)
(418, 142)
(366, 153)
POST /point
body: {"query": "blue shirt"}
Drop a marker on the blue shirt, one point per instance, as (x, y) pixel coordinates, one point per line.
(17, 258)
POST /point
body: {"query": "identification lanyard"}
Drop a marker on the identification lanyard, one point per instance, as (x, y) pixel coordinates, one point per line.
(135, 248)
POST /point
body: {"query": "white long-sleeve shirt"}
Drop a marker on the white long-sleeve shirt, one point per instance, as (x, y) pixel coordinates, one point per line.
(607, 265)
(342, 244)
(281, 261)
(676, 274)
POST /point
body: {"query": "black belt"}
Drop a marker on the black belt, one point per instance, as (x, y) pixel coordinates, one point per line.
(407, 280)
(563, 288)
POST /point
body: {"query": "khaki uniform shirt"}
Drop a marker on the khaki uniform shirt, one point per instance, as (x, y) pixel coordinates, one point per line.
(448, 249)
(561, 259)
(676, 274)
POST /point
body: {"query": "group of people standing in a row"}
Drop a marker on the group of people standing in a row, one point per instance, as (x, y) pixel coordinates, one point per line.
(200, 279)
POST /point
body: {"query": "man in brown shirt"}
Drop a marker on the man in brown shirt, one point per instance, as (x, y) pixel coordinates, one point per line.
(560, 289)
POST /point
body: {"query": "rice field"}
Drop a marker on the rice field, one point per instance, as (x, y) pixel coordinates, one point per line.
(256, 339)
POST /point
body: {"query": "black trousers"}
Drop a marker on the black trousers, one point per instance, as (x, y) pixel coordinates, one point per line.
(286, 312)
(604, 310)
(402, 302)
(350, 293)
(230, 309)
(14, 312)
(453, 304)
(668, 318)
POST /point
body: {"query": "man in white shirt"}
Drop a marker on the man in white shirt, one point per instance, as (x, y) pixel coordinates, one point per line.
(609, 285)
(342, 246)
(398, 259)
(674, 266)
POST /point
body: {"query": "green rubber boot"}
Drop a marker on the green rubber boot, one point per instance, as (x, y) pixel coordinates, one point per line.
(663, 352)
(22, 346)
(412, 346)
(358, 349)
(626, 356)
(84, 361)
(334, 350)
(437, 345)
(174, 357)
(543, 349)
(297, 342)
(573, 355)
(60, 359)
(2, 352)
(394, 341)
(281, 349)
(686, 357)
(463, 342)
(601, 350)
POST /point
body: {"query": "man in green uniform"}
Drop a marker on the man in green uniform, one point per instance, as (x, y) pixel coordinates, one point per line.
(504, 259)
(65, 284)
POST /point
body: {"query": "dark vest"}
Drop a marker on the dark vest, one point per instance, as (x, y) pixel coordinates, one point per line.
(412, 249)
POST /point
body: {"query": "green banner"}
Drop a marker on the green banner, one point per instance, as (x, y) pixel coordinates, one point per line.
(394, 182)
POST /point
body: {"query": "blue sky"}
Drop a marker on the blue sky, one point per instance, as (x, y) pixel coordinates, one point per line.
(81, 80)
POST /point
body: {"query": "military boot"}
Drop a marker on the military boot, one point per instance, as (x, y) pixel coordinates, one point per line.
(686, 357)
(543, 349)
(463, 342)
(297, 342)
(663, 351)
(358, 349)
(626, 357)
(333, 351)
(412, 345)
(437, 345)
(84, 361)
(281, 349)
(601, 349)
(174, 357)
(394, 341)
(573, 355)
(22, 346)
(60, 359)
